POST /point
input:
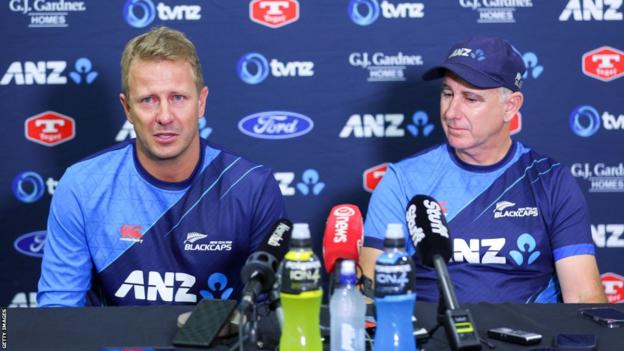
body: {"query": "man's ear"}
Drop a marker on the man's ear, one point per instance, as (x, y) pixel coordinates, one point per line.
(513, 104)
(125, 103)
(203, 95)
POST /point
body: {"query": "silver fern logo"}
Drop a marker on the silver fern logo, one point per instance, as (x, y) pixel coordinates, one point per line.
(503, 205)
(192, 237)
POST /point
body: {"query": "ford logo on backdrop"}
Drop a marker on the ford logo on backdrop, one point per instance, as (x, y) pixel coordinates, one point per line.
(275, 125)
(31, 244)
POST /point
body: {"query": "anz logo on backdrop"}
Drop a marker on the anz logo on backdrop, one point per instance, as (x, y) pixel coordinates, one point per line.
(308, 184)
(254, 68)
(49, 73)
(141, 13)
(390, 125)
(275, 125)
(596, 10)
(366, 12)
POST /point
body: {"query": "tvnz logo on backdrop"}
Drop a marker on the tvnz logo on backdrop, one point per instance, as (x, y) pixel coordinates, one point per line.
(29, 187)
(49, 72)
(495, 11)
(585, 121)
(254, 68)
(597, 10)
(366, 12)
(387, 125)
(47, 13)
(142, 13)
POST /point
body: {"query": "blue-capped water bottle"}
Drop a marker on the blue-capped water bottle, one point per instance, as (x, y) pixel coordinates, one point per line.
(394, 294)
(347, 309)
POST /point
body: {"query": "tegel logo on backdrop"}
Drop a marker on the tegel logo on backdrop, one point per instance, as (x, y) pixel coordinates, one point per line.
(372, 176)
(365, 12)
(141, 13)
(275, 125)
(274, 13)
(585, 121)
(50, 128)
(254, 68)
(605, 63)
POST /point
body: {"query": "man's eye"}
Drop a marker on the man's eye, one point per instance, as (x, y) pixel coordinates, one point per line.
(178, 98)
(147, 100)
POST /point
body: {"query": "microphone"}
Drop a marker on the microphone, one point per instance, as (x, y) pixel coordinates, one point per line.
(258, 273)
(343, 235)
(430, 235)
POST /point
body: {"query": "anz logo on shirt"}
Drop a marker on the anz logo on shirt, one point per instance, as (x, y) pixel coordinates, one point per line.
(523, 253)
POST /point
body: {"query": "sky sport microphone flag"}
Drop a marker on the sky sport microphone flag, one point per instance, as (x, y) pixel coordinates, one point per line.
(428, 229)
(343, 235)
(430, 234)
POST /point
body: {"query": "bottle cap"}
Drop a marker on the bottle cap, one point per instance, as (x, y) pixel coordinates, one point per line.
(301, 231)
(394, 231)
(347, 267)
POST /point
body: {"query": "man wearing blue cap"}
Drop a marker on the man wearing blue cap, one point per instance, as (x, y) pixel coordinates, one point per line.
(519, 225)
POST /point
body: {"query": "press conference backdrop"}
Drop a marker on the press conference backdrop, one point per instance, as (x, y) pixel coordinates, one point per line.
(325, 92)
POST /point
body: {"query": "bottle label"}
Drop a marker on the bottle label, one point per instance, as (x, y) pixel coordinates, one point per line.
(394, 278)
(347, 337)
(298, 276)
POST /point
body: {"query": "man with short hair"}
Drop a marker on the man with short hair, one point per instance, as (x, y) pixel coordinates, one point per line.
(168, 217)
(518, 221)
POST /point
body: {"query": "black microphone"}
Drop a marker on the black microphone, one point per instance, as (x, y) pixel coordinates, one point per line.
(258, 273)
(430, 235)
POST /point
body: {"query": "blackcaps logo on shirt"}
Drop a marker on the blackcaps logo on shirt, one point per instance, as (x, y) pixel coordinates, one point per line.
(500, 211)
(212, 245)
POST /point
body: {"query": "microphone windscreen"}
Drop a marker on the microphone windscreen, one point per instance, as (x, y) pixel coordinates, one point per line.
(278, 238)
(343, 235)
(428, 229)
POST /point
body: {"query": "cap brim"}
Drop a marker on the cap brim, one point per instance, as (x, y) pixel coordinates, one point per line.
(468, 74)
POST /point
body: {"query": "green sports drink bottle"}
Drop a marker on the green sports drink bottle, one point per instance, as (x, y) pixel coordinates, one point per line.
(301, 294)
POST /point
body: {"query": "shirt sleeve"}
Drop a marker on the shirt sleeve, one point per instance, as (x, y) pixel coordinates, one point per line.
(268, 207)
(387, 205)
(66, 265)
(570, 231)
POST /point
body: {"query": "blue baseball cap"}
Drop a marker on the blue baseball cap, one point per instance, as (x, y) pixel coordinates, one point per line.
(485, 62)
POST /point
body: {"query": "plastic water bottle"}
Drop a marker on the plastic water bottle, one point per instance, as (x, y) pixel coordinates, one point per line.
(301, 294)
(394, 294)
(347, 309)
